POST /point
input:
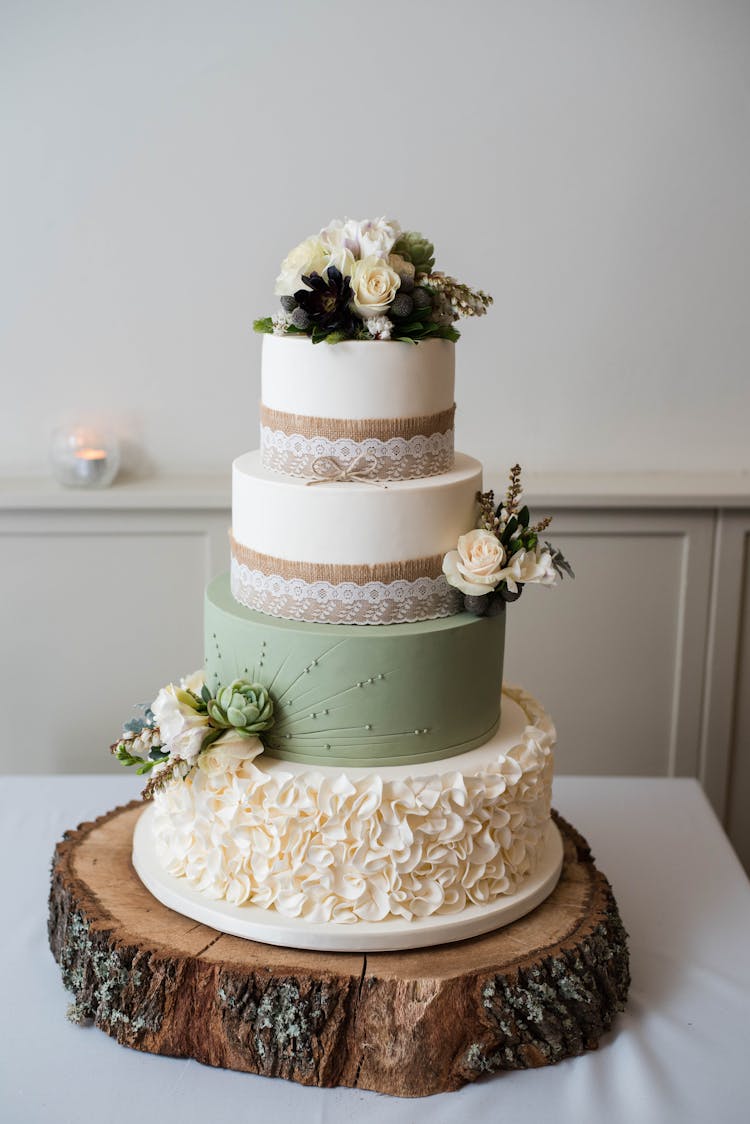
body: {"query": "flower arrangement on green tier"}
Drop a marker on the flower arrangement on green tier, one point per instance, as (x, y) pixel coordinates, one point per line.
(493, 563)
(170, 738)
(368, 280)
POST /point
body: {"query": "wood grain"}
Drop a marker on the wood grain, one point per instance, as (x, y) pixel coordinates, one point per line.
(407, 1023)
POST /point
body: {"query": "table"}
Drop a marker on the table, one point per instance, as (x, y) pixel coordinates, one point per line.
(680, 1053)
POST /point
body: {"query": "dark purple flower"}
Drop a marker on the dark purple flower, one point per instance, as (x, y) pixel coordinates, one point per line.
(326, 301)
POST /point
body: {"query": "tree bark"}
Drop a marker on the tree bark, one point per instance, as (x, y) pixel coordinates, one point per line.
(411, 1023)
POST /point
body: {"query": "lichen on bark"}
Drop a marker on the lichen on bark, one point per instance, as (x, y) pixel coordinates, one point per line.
(285, 1023)
(107, 982)
(559, 1007)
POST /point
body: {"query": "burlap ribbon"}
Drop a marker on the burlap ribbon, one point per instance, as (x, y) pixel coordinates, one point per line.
(357, 429)
(336, 572)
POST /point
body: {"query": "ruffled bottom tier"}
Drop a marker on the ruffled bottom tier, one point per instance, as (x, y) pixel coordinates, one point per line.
(342, 845)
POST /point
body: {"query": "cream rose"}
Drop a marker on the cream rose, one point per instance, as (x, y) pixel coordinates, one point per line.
(227, 754)
(377, 237)
(476, 566)
(374, 285)
(193, 682)
(311, 256)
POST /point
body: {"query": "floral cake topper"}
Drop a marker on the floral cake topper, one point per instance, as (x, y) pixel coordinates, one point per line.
(491, 564)
(369, 280)
(173, 735)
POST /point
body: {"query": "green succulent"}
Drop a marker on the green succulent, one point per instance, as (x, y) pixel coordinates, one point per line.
(417, 249)
(244, 707)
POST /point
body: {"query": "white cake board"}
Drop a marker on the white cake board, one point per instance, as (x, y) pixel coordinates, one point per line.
(270, 927)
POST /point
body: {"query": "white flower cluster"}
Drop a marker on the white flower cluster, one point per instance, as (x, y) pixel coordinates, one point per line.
(281, 321)
(379, 327)
(360, 250)
(181, 726)
(481, 563)
(140, 744)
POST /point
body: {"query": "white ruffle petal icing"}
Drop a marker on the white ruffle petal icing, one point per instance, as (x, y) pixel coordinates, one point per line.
(329, 847)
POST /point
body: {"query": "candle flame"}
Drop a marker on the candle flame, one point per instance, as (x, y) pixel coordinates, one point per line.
(91, 454)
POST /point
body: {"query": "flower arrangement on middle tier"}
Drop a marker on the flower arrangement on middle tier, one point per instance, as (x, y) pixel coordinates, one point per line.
(491, 564)
(188, 727)
(369, 280)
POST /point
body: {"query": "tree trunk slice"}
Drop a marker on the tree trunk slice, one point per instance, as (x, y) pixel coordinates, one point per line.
(544, 988)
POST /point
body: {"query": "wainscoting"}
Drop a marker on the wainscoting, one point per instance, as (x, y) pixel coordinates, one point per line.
(644, 660)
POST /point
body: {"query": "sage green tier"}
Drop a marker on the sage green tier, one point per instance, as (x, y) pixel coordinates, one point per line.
(346, 695)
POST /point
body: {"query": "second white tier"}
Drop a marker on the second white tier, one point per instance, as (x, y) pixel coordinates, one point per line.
(348, 551)
(352, 523)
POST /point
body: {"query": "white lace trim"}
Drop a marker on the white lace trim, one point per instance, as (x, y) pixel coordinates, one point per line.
(399, 458)
(342, 846)
(398, 602)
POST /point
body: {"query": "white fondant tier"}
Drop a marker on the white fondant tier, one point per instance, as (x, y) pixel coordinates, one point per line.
(384, 405)
(254, 923)
(357, 379)
(347, 846)
(350, 551)
(352, 523)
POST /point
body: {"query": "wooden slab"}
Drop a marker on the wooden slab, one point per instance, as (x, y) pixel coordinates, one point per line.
(408, 1023)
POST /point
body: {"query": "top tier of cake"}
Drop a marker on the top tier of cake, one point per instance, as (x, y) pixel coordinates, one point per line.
(385, 407)
(348, 509)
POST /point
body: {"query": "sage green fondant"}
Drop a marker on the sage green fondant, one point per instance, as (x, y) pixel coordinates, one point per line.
(348, 695)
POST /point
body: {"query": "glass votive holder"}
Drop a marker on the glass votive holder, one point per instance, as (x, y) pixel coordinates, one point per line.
(84, 458)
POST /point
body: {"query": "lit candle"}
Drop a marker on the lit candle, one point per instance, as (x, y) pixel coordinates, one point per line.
(90, 465)
(84, 458)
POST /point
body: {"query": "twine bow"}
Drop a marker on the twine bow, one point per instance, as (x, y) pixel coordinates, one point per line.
(330, 470)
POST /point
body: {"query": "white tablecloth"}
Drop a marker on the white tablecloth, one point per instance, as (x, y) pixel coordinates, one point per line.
(680, 1053)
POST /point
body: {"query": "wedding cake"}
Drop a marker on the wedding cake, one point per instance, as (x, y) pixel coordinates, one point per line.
(347, 757)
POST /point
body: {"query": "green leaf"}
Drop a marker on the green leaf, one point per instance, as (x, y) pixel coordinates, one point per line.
(559, 561)
(447, 332)
(523, 516)
(336, 337)
(206, 694)
(135, 725)
(510, 527)
(210, 738)
(265, 324)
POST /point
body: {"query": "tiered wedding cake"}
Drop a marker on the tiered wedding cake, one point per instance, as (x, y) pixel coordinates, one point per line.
(347, 758)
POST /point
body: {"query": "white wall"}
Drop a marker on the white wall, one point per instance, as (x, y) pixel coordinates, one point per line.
(587, 162)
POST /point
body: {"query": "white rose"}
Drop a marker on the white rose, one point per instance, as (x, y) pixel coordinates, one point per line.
(311, 256)
(193, 682)
(401, 265)
(228, 753)
(374, 285)
(476, 566)
(529, 566)
(181, 726)
(340, 235)
(378, 237)
(343, 260)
